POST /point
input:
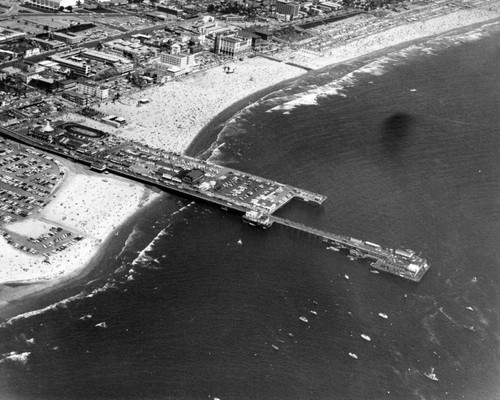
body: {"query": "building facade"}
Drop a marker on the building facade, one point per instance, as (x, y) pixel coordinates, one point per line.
(181, 60)
(51, 4)
(288, 7)
(78, 67)
(232, 44)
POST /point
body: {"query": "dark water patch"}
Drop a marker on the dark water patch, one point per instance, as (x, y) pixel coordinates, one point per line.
(395, 130)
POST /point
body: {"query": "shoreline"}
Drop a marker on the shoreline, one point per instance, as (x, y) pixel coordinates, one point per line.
(210, 132)
(25, 290)
(187, 115)
(74, 208)
(24, 298)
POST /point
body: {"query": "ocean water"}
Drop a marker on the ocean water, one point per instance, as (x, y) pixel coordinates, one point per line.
(406, 147)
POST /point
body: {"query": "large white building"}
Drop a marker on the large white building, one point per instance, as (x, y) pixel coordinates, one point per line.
(181, 60)
(92, 89)
(77, 66)
(51, 4)
(232, 44)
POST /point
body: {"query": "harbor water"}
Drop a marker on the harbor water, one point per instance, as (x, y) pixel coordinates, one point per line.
(190, 303)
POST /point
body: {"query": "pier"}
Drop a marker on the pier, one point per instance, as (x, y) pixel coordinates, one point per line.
(255, 197)
(401, 262)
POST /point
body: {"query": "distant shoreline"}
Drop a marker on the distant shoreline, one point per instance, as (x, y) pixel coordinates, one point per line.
(209, 133)
(186, 115)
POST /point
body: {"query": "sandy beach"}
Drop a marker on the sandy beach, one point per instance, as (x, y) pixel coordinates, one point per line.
(179, 110)
(411, 29)
(89, 205)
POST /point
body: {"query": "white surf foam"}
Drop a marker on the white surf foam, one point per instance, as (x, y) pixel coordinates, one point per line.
(20, 358)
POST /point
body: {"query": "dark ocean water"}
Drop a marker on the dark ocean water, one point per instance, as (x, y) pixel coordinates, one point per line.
(407, 149)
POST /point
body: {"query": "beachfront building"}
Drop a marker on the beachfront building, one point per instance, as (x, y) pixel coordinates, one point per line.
(288, 8)
(51, 4)
(232, 44)
(176, 63)
(76, 97)
(92, 89)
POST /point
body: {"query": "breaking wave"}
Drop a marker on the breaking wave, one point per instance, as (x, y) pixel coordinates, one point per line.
(14, 357)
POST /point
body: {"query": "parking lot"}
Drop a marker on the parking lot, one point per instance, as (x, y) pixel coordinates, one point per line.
(28, 179)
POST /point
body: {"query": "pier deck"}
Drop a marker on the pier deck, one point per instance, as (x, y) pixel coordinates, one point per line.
(402, 262)
(256, 197)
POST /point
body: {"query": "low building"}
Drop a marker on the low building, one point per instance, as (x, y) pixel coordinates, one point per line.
(130, 49)
(78, 98)
(9, 35)
(78, 67)
(68, 84)
(48, 44)
(121, 64)
(92, 89)
(170, 10)
(193, 176)
(47, 65)
(51, 4)
(68, 37)
(331, 6)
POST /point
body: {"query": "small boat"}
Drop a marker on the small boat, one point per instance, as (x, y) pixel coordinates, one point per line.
(469, 327)
(101, 325)
(333, 248)
(469, 308)
(366, 337)
(413, 90)
(313, 312)
(431, 375)
(353, 355)
(382, 315)
(240, 242)
(374, 271)
(346, 277)
(303, 319)
(275, 347)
